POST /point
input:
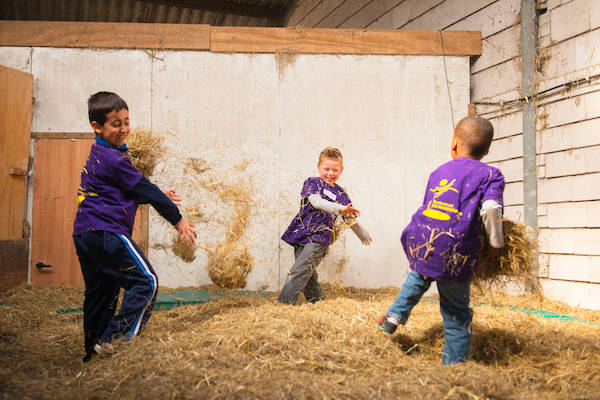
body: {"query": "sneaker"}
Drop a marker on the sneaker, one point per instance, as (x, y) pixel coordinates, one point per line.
(388, 324)
(104, 348)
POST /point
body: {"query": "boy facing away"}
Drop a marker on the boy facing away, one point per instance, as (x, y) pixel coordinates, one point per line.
(311, 229)
(442, 240)
(111, 189)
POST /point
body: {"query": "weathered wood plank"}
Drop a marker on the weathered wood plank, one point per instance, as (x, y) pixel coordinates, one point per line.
(15, 125)
(62, 135)
(344, 41)
(104, 35)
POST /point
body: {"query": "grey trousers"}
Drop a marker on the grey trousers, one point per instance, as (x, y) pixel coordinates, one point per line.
(303, 274)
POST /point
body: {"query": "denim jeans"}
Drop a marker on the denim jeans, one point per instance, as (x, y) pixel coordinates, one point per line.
(454, 307)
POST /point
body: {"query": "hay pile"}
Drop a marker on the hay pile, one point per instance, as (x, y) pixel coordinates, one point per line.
(145, 150)
(516, 259)
(230, 262)
(253, 347)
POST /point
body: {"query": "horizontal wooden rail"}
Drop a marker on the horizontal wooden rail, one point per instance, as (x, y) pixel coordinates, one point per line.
(238, 39)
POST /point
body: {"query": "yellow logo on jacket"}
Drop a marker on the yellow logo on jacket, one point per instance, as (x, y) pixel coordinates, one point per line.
(438, 209)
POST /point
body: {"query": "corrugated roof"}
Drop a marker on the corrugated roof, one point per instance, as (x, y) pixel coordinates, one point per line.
(212, 12)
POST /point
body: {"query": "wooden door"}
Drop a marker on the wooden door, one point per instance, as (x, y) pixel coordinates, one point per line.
(57, 172)
(15, 124)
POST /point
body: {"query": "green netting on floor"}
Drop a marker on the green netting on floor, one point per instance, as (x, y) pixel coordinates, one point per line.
(176, 298)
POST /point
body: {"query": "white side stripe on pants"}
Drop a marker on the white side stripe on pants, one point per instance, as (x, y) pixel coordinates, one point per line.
(142, 263)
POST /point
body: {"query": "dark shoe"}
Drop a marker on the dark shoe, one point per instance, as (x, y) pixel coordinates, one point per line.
(387, 324)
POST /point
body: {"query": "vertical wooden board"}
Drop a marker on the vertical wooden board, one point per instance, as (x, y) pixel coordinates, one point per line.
(15, 124)
(57, 170)
(57, 173)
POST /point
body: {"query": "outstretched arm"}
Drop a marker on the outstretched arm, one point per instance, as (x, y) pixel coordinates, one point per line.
(147, 192)
(329, 206)
(362, 233)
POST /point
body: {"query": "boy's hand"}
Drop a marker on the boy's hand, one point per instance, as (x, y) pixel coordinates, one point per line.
(367, 242)
(349, 210)
(186, 231)
(173, 196)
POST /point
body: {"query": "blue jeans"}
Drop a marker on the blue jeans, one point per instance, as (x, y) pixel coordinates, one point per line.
(454, 307)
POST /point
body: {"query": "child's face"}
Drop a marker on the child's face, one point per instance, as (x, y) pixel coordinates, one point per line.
(330, 170)
(116, 128)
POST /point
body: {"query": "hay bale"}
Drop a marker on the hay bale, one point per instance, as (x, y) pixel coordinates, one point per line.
(516, 258)
(145, 150)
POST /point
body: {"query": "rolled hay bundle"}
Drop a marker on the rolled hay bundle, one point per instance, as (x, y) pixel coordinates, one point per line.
(516, 258)
(230, 262)
(145, 150)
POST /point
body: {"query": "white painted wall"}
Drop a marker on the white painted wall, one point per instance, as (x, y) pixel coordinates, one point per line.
(390, 116)
(568, 122)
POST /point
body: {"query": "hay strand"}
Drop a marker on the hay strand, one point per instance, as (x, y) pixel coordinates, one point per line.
(230, 262)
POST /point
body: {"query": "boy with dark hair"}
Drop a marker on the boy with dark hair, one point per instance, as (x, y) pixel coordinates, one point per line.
(110, 191)
(442, 240)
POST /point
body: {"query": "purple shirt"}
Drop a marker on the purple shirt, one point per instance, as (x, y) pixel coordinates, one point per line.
(311, 224)
(105, 201)
(442, 239)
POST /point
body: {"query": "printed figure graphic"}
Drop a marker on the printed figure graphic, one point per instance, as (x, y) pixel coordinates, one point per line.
(433, 207)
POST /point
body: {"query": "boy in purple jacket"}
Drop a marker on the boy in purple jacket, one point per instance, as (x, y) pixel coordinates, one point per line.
(310, 231)
(442, 240)
(111, 189)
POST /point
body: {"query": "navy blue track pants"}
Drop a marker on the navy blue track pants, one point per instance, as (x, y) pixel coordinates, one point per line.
(111, 261)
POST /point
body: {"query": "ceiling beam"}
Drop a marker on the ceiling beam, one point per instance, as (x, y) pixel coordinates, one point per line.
(274, 12)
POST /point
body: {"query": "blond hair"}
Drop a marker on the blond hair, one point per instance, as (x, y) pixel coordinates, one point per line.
(331, 153)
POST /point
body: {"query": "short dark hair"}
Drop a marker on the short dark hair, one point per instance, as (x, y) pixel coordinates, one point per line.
(102, 103)
(476, 134)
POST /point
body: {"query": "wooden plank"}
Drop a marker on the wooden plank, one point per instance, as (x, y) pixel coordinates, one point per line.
(344, 41)
(62, 135)
(13, 263)
(54, 208)
(15, 125)
(104, 35)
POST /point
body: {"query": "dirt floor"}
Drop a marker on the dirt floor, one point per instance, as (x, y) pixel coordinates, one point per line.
(252, 347)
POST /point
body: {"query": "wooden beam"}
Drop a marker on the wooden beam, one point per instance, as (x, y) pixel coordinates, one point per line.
(104, 35)
(238, 39)
(344, 41)
(62, 135)
(270, 11)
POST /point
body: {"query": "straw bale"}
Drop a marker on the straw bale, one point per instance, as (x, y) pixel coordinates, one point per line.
(145, 150)
(252, 347)
(516, 259)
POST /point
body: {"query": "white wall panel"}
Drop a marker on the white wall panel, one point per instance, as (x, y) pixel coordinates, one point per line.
(64, 79)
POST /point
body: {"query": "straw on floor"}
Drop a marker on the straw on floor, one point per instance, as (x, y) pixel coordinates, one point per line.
(253, 347)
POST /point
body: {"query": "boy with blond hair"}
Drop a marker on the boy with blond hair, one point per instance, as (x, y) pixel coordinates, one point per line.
(311, 229)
